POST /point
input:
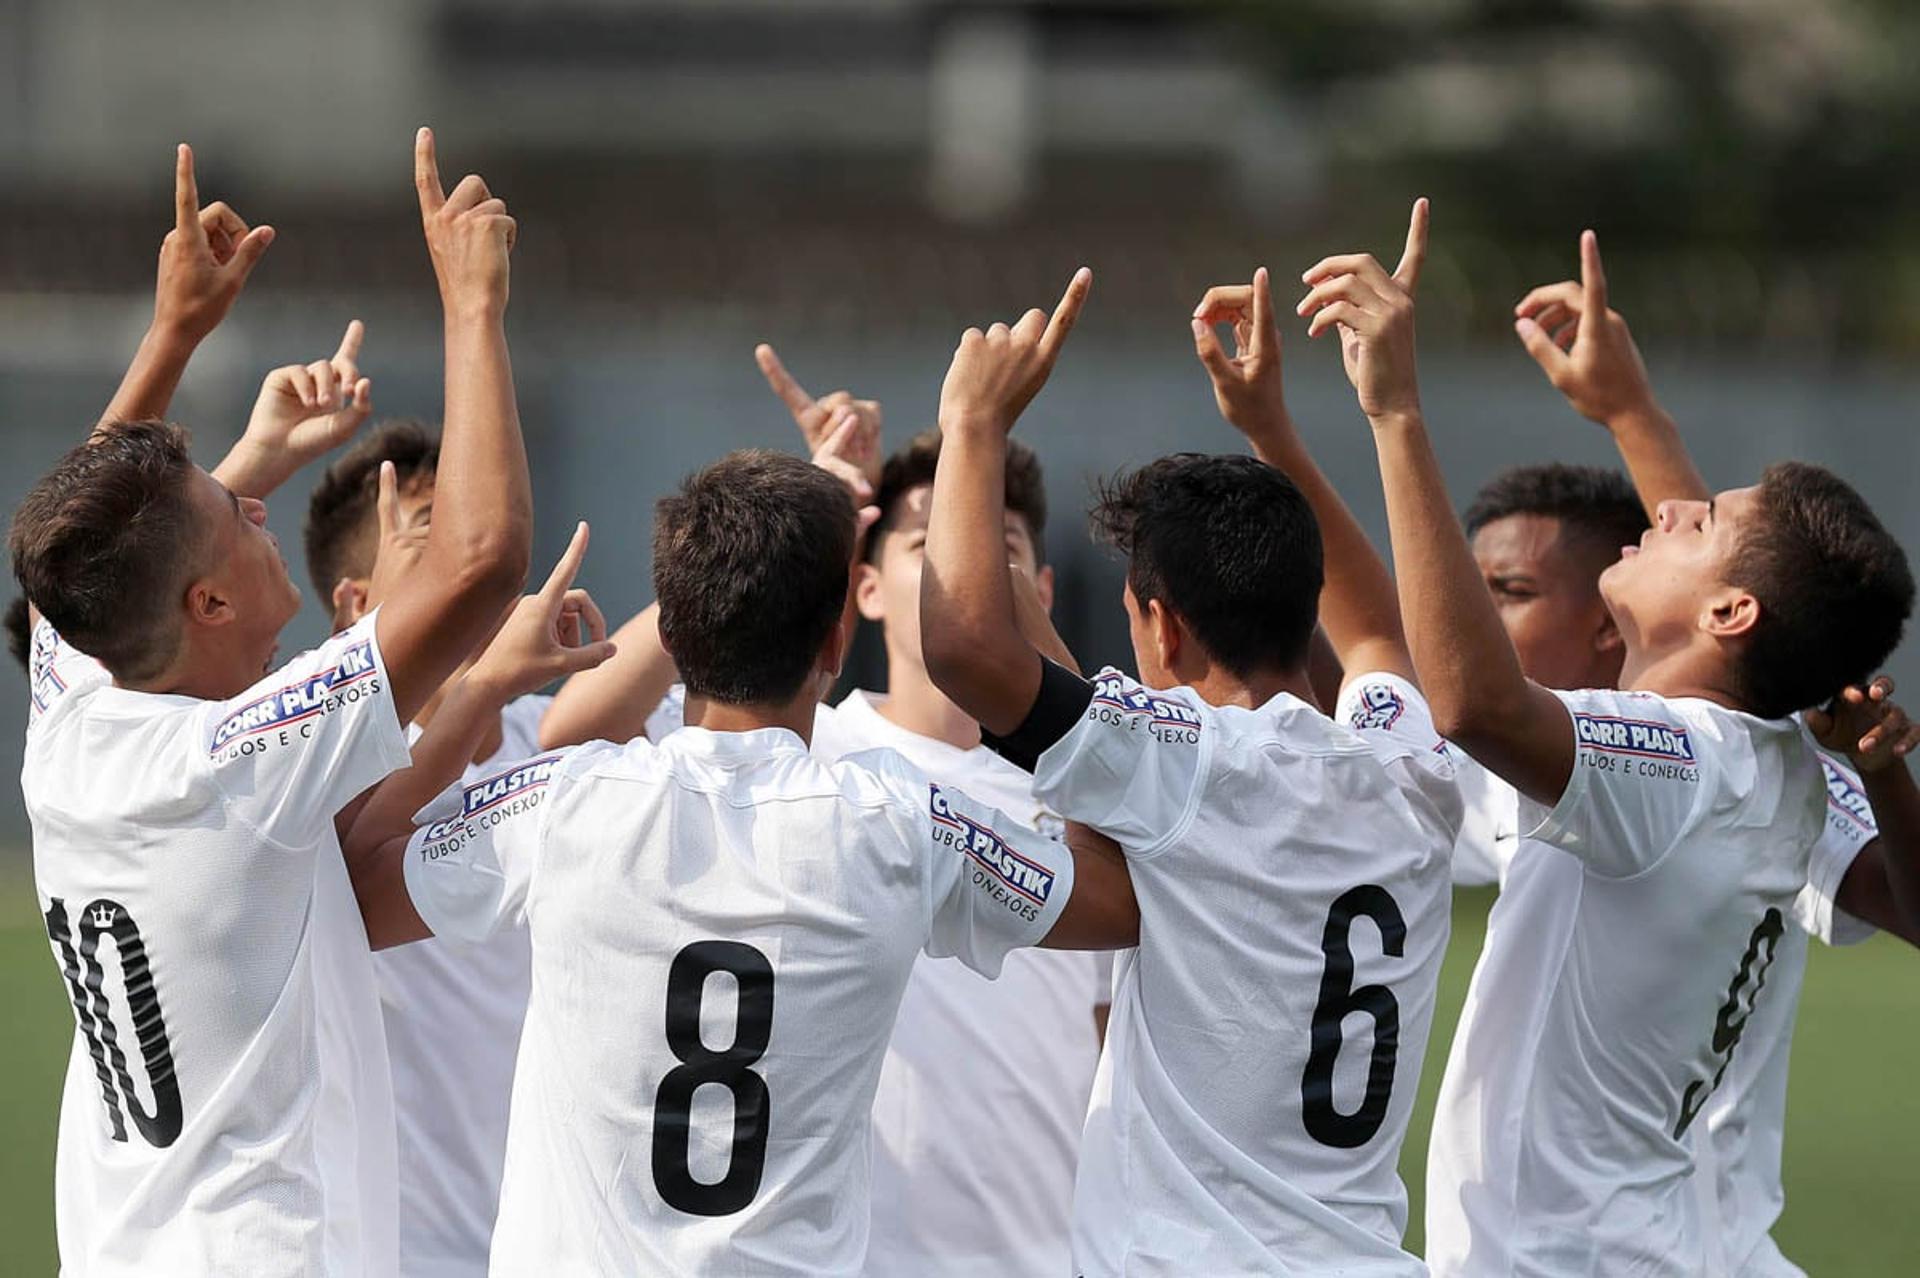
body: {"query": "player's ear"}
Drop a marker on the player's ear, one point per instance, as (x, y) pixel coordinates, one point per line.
(1043, 585)
(349, 602)
(208, 605)
(1164, 628)
(866, 592)
(833, 651)
(1606, 634)
(1730, 613)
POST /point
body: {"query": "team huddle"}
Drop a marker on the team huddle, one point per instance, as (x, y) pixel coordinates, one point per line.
(383, 962)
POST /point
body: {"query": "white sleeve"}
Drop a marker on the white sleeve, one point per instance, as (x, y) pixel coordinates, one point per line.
(296, 747)
(1848, 829)
(1382, 702)
(1635, 785)
(995, 884)
(55, 668)
(1132, 767)
(470, 862)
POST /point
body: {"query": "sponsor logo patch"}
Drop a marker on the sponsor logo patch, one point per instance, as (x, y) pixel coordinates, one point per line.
(299, 700)
(497, 789)
(1111, 690)
(1847, 798)
(1640, 738)
(1023, 877)
(1377, 706)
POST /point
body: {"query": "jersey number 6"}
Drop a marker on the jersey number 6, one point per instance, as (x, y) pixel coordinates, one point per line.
(699, 1065)
(1338, 998)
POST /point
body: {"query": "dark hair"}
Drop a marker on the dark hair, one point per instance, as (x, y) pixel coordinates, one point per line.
(1833, 587)
(1594, 505)
(1228, 543)
(914, 465)
(106, 541)
(341, 534)
(19, 630)
(750, 565)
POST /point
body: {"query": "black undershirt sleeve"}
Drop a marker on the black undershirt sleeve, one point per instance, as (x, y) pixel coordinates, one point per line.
(1062, 699)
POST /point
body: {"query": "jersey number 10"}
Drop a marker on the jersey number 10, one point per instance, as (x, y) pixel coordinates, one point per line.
(699, 1065)
(93, 1011)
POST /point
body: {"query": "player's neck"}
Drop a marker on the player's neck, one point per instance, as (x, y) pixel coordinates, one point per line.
(1218, 686)
(1687, 671)
(795, 716)
(208, 673)
(913, 704)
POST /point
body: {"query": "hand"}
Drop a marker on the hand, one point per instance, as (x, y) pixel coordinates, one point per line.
(1583, 347)
(307, 410)
(205, 259)
(469, 235)
(1865, 725)
(996, 374)
(548, 635)
(832, 457)
(1374, 313)
(399, 549)
(1246, 387)
(819, 418)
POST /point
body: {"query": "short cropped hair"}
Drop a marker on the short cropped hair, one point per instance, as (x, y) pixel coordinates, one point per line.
(915, 464)
(342, 535)
(1228, 543)
(1834, 590)
(751, 561)
(106, 542)
(1596, 506)
(19, 626)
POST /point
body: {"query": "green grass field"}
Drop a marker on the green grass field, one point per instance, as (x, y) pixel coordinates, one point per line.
(1849, 1190)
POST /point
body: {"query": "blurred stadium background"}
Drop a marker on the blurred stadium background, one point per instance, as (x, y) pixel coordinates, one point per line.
(858, 180)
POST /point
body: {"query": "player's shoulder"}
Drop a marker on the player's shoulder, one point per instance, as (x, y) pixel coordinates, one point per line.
(878, 776)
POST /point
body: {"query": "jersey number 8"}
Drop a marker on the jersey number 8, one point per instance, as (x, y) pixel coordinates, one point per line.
(731, 1068)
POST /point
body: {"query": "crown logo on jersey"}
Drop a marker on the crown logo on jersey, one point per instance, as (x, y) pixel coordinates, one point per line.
(103, 916)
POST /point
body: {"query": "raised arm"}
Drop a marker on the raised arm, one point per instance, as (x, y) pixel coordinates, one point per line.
(969, 632)
(303, 412)
(1467, 667)
(554, 633)
(477, 547)
(204, 263)
(1882, 886)
(1585, 350)
(1358, 610)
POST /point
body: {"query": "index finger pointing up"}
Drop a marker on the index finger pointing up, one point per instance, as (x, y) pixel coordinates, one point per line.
(791, 393)
(568, 567)
(350, 343)
(186, 196)
(426, 173)
(1593, 278)
(1408, 272)
(1066, 313)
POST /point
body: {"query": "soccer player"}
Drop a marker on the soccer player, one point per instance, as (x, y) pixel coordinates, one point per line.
(452, 1011)
(226, 1107)
(1541, 535)
(1291, 868)
(982, 1078)
(1668, 825)
(1849, 889)
(722, 925)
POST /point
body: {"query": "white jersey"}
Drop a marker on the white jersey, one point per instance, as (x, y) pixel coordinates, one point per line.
(1631, 942)
(667, 1123)
(1747, 1115)
(1267, 1033)
(453, 1013)
(1490, 829)
(982, 1079)
(226, 1108)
